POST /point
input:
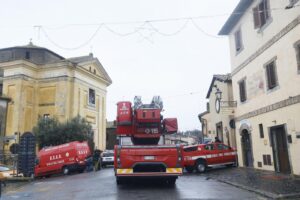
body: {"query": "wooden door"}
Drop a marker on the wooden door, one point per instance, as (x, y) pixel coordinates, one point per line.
(280, 150)
(247, 149)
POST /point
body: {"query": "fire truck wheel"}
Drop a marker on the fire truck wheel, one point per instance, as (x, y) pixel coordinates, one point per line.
(119, 181)
(200, 166)
(65, 170)
(171, 181)
(189, 169)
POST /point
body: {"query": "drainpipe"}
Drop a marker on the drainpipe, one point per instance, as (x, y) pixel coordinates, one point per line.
(203, 122)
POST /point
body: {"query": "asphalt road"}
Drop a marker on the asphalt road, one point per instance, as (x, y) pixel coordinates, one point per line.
(102, 185)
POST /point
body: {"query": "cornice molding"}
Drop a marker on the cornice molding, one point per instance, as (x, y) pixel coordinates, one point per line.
(53, 79)
(18, 63)
(281, 104)
(94, 76)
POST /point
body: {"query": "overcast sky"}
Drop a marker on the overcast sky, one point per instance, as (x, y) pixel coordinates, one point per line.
(179, 68)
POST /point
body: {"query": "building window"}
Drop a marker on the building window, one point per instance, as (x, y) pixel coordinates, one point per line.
(207, 107)
(261, 13)
(27, 55)
(261, 131)
(267, 160)
(91, 97)
(238, 40)
(95, 71)
(271, 75)
(297, 47)
(90, 69)
(242, 87)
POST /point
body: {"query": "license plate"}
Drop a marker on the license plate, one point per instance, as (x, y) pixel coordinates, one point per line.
(149, 157)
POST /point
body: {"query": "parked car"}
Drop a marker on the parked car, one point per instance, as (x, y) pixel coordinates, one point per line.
(200, 157)
(5, 172)
(107, 158)
(62, 159)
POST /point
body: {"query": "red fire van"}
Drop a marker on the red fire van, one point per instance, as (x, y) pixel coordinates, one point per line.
(63, 158)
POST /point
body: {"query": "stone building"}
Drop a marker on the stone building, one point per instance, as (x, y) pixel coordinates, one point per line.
(43, 83)
(217, 120)
(111, 135)
(264, 39)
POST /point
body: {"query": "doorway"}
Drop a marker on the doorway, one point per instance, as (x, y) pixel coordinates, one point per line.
(280, 149)
(247, 148)
(219, 127)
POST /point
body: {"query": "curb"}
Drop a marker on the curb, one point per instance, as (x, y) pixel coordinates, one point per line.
(262, 192)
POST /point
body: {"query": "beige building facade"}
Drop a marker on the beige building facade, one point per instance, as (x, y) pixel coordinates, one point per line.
(43, 83)
(264, 39)
(217, 120)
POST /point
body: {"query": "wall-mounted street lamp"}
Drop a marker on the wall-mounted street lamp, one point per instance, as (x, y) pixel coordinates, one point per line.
(218, 94)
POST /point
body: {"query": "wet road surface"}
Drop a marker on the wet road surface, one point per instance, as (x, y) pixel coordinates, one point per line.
(101, 185)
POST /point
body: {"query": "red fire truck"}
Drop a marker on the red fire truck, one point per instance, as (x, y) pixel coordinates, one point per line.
(144, 153)
(62, 158)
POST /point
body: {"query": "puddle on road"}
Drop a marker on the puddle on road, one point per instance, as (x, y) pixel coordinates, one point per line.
(49, 183)
(26, 195)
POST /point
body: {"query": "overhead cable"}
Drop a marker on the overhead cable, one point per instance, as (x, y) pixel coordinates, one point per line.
(147, 25)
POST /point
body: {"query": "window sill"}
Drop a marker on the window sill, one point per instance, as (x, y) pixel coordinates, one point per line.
(91, 106)
(244, 102)
(237, 52)
(273, 89)
(268, 22)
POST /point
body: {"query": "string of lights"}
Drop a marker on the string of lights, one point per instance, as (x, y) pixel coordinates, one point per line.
(71, 48)
(146, 26)
(106, 26)
(63, 26)
(161, 20)
(142, 26)
(169, 34)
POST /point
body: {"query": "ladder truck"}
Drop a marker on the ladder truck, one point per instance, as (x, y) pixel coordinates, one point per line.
(142, 152)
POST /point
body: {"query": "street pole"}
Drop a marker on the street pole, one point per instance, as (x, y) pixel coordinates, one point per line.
(19, 135)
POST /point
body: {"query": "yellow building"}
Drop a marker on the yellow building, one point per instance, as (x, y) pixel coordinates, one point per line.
(43, 83)
(218, 119)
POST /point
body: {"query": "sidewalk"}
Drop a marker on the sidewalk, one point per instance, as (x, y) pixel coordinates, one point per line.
(266, 183)
(14, 183)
